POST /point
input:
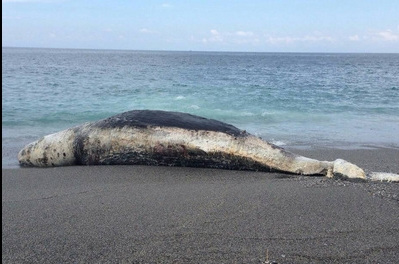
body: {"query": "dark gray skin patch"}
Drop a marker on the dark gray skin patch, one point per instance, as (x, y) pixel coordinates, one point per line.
(146, 118)
(177, 158)
(78, 148)
(44, 160)
(163, 155)
(167, 155)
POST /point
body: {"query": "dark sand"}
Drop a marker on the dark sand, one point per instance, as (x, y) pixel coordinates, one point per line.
(138, 214)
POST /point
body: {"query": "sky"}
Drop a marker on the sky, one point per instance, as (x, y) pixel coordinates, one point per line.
(204, 25)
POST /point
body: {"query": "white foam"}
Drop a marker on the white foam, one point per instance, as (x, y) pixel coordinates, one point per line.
(180, 97)
(279, 143)
(195, 107)
(266, 113)
(247, 114)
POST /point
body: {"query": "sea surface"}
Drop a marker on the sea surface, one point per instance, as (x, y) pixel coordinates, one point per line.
(299, 100)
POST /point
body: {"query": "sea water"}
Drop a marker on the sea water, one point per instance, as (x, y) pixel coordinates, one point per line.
(290, 99)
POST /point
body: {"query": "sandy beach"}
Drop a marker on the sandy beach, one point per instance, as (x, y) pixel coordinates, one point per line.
(143, 214)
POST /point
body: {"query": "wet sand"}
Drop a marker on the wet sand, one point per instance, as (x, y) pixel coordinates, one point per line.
(140, 214)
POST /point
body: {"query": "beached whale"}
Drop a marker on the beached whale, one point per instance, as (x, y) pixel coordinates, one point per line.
(149, 137)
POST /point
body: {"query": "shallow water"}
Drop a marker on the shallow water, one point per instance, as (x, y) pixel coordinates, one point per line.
(292, 99)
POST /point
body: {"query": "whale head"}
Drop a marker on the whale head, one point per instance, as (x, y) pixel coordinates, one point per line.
(24, 155)
(52, 150)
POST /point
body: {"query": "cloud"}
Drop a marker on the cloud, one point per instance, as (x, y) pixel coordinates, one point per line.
(215, 32)
(354, 38)
(242, 37)
(237, 37)
(146, 31)
(244, 33)
(317, 38)
(386, 35)
(215, 37)
(290, 39)
(166, 5)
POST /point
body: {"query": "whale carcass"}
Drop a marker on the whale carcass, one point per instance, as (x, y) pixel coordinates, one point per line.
(151, 137)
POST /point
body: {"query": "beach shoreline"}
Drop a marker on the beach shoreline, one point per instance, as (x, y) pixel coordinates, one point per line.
(145, 214)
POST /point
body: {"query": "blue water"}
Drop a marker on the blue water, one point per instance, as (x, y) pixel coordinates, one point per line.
(291, 99)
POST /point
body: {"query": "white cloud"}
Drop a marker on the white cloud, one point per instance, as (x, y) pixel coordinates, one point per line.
(166, 5)
(146, 31)
(290, 39)
(354, 38)
(215, 37)
(249, 37)
(237, 37)
(386, 35)
(316, 38)
(274, 40)
(215, 32)
(244, 33)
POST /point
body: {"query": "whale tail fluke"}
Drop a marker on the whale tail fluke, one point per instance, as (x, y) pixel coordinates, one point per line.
(347, 170)
(383, 176)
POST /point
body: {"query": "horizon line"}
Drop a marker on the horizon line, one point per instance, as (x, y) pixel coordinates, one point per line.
(210, 51)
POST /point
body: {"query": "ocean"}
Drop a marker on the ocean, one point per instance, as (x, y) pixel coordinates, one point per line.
(298, 100)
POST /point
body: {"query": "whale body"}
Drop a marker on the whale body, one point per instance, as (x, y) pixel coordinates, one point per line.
(152, 137)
